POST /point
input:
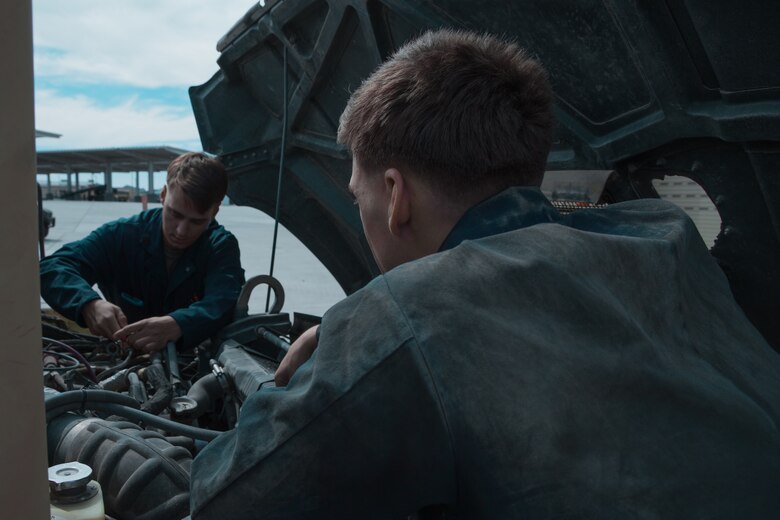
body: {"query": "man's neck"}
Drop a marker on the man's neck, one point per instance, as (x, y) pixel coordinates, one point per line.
(436, 216)
(172, 257)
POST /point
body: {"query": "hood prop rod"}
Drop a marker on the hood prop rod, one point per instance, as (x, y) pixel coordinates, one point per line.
(281, 170)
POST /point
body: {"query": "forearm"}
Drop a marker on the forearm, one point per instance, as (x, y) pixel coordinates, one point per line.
(300, 351)
(67, 276)
(64, 289)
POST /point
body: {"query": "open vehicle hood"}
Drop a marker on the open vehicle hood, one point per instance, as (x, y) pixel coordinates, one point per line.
(645, 88)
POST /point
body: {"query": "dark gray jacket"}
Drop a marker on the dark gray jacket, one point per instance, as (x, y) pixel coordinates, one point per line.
(592, 366)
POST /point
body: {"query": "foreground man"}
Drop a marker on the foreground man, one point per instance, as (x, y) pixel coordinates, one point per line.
(167, 274)
(510, 362)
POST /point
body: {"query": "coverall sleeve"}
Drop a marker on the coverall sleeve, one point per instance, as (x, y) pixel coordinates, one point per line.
(222, 285)
(358, 433)
(67, 276)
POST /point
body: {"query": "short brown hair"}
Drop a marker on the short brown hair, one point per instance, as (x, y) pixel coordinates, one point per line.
(465, 111)
(202, 178)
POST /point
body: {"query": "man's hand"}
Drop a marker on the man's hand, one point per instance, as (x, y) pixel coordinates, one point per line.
(150, 334)
(103, 318)
(300, 351)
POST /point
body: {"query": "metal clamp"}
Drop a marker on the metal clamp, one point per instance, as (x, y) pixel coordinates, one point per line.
(242, 305)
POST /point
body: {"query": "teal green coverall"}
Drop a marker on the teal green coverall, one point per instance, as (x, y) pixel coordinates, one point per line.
(126, 259)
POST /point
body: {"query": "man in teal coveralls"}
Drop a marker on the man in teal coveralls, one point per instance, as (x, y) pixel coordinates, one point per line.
(168, 274)
(510, 362)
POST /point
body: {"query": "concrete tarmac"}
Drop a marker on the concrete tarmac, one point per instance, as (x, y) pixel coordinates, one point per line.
(308, 286)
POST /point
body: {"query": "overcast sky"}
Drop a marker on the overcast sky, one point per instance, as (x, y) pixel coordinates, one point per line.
(112, 73)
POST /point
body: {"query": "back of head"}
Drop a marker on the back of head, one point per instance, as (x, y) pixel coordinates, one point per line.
(468, 113)
(202, 178)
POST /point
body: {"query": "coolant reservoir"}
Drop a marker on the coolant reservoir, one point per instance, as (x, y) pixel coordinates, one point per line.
(73, 495)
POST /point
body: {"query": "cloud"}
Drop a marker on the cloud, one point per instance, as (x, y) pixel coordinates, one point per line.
(145, 43)
(83, 123)
(109, 74)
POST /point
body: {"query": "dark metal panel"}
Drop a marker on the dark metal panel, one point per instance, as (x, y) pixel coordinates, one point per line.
(728, 37)
(678, 83)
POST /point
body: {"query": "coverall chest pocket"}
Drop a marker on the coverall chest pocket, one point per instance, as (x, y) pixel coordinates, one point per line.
(133, 307)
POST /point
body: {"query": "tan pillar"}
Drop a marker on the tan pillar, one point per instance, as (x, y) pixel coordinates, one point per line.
(24, 489)
(150, 188)
(108, 180)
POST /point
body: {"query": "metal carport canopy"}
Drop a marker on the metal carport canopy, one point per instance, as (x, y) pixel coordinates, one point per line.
(155, 158)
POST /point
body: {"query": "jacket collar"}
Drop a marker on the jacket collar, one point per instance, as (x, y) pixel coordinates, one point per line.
(514, 208)
(186, 266)
(152, 242)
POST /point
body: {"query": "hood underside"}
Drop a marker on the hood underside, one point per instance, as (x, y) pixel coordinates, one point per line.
(644, 88)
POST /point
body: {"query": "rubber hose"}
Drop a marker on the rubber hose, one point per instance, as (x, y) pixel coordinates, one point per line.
(77, 354)
(138, 415)
(155, 374)
(110, 371)
(88, 397)
(205, 391)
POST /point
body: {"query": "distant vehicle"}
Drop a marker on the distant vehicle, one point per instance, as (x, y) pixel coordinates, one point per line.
(47, 221)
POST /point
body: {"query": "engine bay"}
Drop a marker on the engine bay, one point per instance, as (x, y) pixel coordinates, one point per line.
(138, 419)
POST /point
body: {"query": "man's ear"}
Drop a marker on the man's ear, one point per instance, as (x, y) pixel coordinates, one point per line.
(399, 208)
(163, 193)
